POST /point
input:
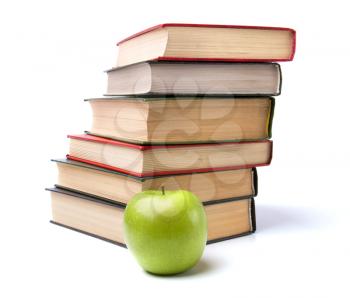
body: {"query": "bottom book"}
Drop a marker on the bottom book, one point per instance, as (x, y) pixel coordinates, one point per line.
(103, 218)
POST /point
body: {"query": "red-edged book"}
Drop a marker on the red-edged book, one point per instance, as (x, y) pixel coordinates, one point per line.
(158, 160)
(204, 42)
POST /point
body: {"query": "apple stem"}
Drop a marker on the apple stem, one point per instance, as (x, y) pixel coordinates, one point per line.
(163, 192)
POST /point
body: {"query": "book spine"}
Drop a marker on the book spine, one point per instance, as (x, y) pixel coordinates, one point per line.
(255, 181)
(252, 214)
(270, 120)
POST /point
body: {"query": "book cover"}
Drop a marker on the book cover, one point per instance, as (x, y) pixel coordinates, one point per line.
(169, 58)
(97, 139)
(121, 207)
(142, 179)
(130, 71)
(171, 98)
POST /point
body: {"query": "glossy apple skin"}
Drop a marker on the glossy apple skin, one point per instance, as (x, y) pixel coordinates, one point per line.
(166, 233)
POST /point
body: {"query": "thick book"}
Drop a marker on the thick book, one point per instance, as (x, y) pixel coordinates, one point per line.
(195, 79)
(176, 120)
(152, 160)
(201, 42)
(113, 185)
(104, 219)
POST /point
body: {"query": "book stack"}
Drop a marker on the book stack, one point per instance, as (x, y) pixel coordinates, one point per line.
(187, 107)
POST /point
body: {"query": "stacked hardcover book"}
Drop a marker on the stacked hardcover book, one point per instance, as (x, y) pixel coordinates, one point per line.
(187, 107)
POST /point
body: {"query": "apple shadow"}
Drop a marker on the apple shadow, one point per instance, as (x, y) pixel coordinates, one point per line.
(289, 217)
(203, 266)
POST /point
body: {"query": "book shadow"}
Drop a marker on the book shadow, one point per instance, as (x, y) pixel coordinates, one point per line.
(268, 217)
(288, 217)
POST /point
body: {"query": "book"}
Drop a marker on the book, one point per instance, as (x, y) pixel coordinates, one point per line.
(195, 78)
(169, 120)
(104, 219)
(151, 160)
(112, 185)
(208, 42)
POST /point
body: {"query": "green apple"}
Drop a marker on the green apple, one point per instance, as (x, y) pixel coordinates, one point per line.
(166, 231)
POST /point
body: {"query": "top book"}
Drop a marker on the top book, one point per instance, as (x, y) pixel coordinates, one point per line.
(200, 42)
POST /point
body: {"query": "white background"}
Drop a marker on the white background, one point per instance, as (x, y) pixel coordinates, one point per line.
(53, 54)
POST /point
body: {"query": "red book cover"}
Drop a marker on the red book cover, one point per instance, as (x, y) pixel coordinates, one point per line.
(92, 138)
(167, 58)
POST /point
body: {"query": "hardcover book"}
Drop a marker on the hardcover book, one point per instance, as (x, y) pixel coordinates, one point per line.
(176, 120)
(147, 160)
(104, 219)
(189, 42)
(195, 78)
(112, 185)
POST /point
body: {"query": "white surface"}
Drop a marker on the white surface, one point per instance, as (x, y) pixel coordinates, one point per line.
(52, 56)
